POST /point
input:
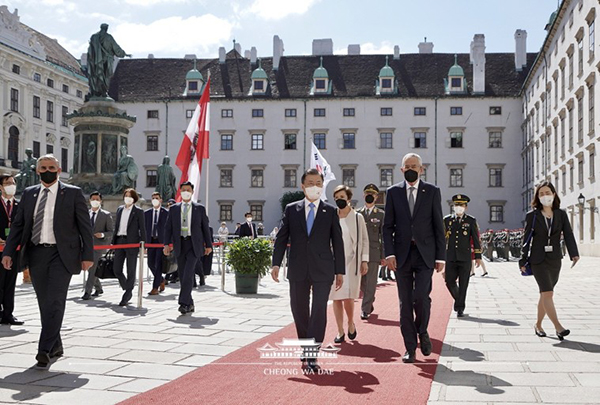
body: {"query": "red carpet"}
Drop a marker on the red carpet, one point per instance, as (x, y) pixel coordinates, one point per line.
(370, 369)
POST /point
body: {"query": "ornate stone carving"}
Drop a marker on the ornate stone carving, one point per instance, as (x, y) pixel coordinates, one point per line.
(16, 36)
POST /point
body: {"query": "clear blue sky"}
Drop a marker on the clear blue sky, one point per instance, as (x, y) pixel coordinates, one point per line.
(172, 28)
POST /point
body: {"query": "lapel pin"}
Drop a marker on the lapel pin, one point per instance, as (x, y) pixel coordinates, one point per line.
(324, 211)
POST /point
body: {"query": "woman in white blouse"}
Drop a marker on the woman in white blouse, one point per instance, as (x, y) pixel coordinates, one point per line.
(356, 252)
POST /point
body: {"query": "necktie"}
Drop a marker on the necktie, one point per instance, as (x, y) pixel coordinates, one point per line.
(251, 230)
(411, 200)
(36, 233)
(185, 229)
(93, 219)
(310, 220)
(155, 225)
(9, 212)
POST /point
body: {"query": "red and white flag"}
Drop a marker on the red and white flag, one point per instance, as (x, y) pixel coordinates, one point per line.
(194, 147)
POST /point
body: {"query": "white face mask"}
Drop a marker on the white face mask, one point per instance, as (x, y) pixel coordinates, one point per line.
(155, 203)
(128, 200)
(10, 190)
(186, 195)
(249, 219)
(459, 210)
(95, 204)
(547, 200)
(314, 192)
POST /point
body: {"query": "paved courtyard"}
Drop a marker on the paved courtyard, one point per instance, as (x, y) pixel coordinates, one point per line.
(492, 356)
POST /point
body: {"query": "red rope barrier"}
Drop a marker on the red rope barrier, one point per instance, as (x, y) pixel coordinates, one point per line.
(126, 246)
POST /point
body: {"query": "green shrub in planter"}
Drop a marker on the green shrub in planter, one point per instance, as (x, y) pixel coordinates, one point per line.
(251, 259)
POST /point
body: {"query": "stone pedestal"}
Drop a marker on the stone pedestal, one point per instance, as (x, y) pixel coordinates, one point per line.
(100, 130)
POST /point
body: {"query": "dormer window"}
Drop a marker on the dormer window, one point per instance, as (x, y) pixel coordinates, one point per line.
(259, 85)
(386, 84)
(456, 83)
(321, 83)
(259, 81)
(193, 86)
(194, 82)
(387, 79)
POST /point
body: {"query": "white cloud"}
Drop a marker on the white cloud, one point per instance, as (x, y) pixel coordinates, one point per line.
(151, 2)
(369, 48)
(75, 47)
(278, 9)
(173, 36)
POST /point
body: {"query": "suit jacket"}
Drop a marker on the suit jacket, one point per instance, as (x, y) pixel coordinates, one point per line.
(4, 225)
(199, 229)
(560, 225)
(460, 236)
(136, 228)
(425, 227)
(318, 256)
(246, 231)
(72, 227)
(162, 220)
(102, 224)
(374, 222)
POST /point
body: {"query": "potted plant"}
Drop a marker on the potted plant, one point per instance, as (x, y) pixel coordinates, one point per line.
(250, 259)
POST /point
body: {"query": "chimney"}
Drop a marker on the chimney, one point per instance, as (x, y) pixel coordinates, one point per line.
(83, 60)
(253, 56)
(247, 54)
(222, 54)
(238, 48)
(520, 49)
(354, 49)
(322, 47)
(277, 51)
(191, 56)
(478, 61)
(150, 56)
(426, 47)
(396, 52)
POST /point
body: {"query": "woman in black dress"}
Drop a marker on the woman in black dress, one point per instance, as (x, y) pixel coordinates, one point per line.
(544, 253)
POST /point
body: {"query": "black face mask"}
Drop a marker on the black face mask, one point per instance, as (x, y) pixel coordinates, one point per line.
(369, 199)
(341, 203)
(48, 176)
(411, 175)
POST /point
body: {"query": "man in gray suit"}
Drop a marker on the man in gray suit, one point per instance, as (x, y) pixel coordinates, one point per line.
(374, 220)
(102, 227)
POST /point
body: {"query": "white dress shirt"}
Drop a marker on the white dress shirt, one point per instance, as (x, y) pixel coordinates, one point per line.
(47, 235)
(307, 208)
(125, 214)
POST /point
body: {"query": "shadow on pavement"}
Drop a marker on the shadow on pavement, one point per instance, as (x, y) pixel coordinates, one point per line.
(463, 378)
(502, 322)
(355, 383)
(21, 382)
(464, 354)
(375, 320)
(576, 345)
(193, 322)
(378, 354)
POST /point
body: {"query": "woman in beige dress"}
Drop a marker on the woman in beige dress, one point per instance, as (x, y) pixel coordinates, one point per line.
(356, 252)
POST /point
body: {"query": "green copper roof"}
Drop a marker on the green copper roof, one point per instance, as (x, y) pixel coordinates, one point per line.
(456, 70)
(386, 71)
(321, 72)
(259, 72)
(194, 74)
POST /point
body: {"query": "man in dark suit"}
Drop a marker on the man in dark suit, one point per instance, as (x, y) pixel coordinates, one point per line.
(53, 228)
(156, 218)
(316, 258)
(102, 227)
(187, 229)
(413, 235)
(248, 228)
(8, 278)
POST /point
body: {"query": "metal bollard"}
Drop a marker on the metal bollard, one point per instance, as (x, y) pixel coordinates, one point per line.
(140, 278)
(222, 248)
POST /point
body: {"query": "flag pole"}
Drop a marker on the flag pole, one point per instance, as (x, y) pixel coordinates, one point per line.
(207, 177)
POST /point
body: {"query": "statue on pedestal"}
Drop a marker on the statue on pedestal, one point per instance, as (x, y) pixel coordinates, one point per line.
(27, 176)
(166, 181)
(126, 174)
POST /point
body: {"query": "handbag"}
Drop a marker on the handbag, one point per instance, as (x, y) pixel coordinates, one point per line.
(528, 271)
(105, 268)
(169, 263)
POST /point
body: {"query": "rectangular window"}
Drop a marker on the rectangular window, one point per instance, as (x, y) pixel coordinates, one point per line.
(570, 130)
(79, 93)
(564, 182)
(348, 112)
(420, 111)
(64, 121)
(152, 143)
(580, 171)
(592, 39)
(386, 177)
(152, 114)
(562, 82)
(257, 212)
(319, 140)
(289, 141)
(189, 113)
(64, 157)
(290, 112)
(37, 77)
(193, 85)
(36, 149)
(49, 111)
(385, 140)
(226, 142)
(226, 177)
(495, 140)
(386, 83)
(50, 83)
(456, 140)
(580, 56)
(456, 82)
(257, 178)
(496, 213)
(349, 141)
(65, 88)
(495, 110)
(16, 69)
(591, 108)
(225, 212)
(151, 176)
(289, 178)
(571, 176)
(14, 100)
(49, 148)
(592, 164)
(456, 177)
(455, 110)
(257, 142)
(320, 84)
(386, 111)
(319, 112)
(258, 113)
(420, 139)
(580, 120)
(495, 177)
(562, 136)
(571, 71)
(348, 177)
(227, 113)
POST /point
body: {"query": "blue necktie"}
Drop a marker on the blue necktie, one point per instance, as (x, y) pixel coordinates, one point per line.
(310, 220)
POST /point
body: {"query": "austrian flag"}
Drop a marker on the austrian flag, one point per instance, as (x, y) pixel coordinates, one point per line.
(194, 147)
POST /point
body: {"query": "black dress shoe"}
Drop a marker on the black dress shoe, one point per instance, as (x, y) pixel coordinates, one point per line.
(561, 335)
(86, 297)
(191, 308)
(364, 316)
(126, 298)
(352, 335)
(43, 359)
(183, 309)
(312, 365)
(425, 344)
(58, 352)
(11, 321)
(460, 314)
(340, 339)
(409, 357)
(97, 293)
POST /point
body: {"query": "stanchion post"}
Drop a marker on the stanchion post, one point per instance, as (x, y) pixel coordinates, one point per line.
(222, 266)
(141, 276)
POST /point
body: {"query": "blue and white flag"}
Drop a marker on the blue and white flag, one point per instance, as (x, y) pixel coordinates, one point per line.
(317, 161)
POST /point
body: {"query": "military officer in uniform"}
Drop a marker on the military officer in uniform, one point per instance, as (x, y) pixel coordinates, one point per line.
(374, 220)
(461, 230)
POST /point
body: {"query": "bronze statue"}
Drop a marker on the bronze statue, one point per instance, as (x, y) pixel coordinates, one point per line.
(126, 174)
(27, 176)
(101, 52)
(166, 181)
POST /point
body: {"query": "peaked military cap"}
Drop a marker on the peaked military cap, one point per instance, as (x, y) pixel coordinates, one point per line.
(460, 199)
(371, 188)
